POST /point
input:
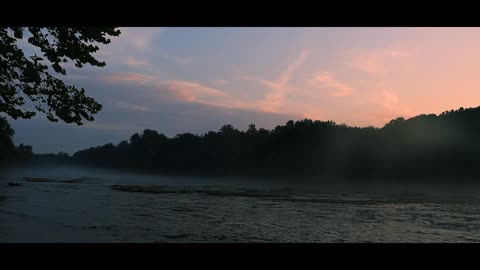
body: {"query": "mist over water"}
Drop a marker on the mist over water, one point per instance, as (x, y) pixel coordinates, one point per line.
(316, 135)
(111, 206)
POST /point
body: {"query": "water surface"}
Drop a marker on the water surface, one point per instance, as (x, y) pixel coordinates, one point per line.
(91, 211)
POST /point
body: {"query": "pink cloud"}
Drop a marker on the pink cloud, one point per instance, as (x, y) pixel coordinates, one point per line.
(392, 104)
(139, 42)
(136, 78)
(387, 106)
(376, 62)
(177, 89)
(389, 99)
(285, 97)
(269, 84)
(286, 76)
(370, 63)
(191, 91)
(136, 63)
(275, 99)
(400, 54)
(139, 39)
(324, 79)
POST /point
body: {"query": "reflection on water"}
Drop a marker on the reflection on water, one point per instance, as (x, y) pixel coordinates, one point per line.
(109, 207)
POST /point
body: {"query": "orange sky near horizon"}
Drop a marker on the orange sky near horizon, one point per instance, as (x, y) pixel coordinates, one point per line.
(196, 79)
(371, 76)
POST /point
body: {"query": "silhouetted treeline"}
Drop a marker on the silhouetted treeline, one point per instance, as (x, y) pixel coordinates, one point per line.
(424, 146)
(59, 158)
(9, 153)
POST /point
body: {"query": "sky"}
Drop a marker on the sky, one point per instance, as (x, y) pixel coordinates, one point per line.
(178, 80)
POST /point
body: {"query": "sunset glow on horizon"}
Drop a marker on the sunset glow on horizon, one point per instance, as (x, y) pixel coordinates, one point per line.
(195, 79)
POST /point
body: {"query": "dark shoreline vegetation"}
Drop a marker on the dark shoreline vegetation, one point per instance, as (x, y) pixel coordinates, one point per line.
(423, 148)
(11, 155)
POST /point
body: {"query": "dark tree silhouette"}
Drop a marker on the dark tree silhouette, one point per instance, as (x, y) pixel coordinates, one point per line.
(6, 144)
(25, 78)
(422, 147)
(9, 153)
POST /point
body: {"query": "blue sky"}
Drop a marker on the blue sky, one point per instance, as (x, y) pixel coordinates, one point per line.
(194, 80)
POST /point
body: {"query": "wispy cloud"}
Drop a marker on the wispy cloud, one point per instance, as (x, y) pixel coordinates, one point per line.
(135, 78)
(284, 94)
(400, 53)
(387, 105)
(182, 61)
(191, 91)
(132, 107)
(286, 76)
(391, 103)
(181, 90)
(389, 100)
(132, 40)
(376, 62)
(137, 63)
(326, 80)
(139, 45)
(140, 38)
(275, 99)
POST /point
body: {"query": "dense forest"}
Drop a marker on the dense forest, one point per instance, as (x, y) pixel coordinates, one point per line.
(9, 153)
(425, 146)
